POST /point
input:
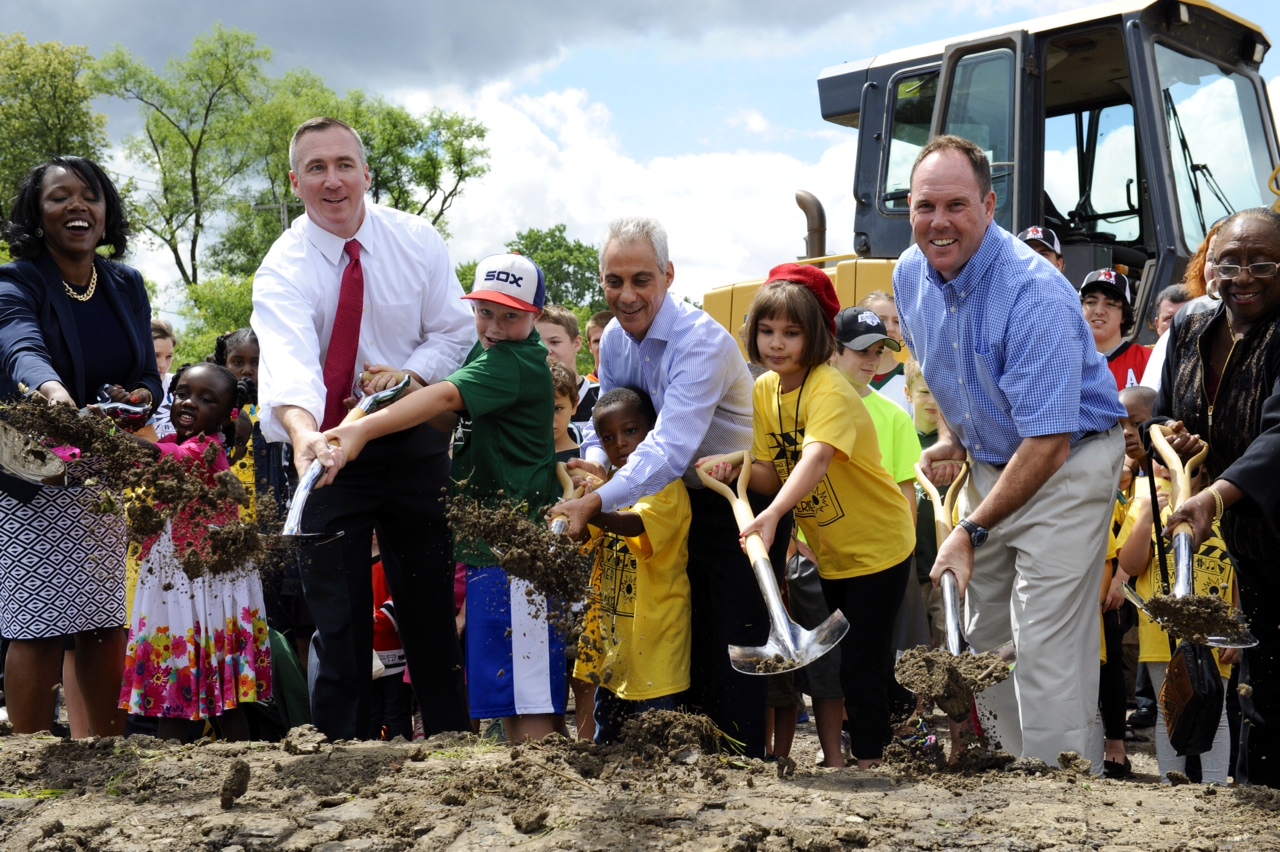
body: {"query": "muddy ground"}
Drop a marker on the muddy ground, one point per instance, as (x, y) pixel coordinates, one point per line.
(462, 793)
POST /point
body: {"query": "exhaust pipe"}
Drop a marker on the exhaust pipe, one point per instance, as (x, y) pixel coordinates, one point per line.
(815, 241)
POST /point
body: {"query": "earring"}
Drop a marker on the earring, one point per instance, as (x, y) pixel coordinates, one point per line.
(39, 232)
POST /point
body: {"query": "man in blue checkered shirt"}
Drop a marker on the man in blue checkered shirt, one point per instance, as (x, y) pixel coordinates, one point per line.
(1026, 397)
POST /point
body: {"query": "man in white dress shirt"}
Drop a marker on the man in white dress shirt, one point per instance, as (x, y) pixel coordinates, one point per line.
(412, 320)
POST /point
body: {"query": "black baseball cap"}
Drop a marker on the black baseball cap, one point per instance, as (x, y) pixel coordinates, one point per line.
(1044, 236)
(1108, 281)
(860, 328)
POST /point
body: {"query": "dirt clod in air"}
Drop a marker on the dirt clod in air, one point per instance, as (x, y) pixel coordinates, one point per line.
(149, 491)
(1197, 617)
(551, 564)
(235, 784)
(950, 681)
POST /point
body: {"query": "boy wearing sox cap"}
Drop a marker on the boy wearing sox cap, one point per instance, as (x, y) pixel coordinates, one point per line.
(515, 659)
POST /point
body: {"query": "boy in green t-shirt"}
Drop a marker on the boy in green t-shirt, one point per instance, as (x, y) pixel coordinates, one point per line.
(515, 659)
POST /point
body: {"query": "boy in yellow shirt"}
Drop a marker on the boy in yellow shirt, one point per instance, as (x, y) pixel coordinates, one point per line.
(636, 640)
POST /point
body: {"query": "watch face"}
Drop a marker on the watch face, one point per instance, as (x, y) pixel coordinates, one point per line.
(978, 537)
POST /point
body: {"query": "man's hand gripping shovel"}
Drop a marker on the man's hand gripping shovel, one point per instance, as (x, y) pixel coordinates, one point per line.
(291, 535)
(1182, 475)
(790, 646)
(943, 512)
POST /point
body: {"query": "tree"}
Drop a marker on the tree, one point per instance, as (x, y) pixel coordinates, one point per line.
(195, 134)
(44, 109)
(572, 267)
(418, 165)
(218, 304)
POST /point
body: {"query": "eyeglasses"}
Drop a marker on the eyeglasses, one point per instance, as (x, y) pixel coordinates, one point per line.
(1230, 271)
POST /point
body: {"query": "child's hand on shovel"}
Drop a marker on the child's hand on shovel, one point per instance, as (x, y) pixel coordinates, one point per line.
(579, 512)
(765, 525)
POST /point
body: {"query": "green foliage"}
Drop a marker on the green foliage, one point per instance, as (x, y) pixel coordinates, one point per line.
(194, 137)
(572, 267)
(5, 257)
(44, 109)
(467, 274)
(418, 165)
(216, 305)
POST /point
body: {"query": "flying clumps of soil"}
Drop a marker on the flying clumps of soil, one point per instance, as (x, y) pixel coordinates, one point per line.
(149, 491)
(1197, 617)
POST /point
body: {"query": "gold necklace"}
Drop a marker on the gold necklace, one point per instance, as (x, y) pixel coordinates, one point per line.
(93, 283)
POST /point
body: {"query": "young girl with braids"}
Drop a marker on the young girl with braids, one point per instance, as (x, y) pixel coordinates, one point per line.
(238, 352)
(198, 646)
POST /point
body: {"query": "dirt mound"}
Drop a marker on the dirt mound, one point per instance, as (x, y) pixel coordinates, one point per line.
(459, 792)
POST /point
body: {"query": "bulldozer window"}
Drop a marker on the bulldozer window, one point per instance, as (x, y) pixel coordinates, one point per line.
(913, 98)
(1220, 159)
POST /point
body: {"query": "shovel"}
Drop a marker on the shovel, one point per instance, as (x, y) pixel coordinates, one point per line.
(1182, 475)
(568, 491)
(790, 646)
(291, 535)
(943, 512)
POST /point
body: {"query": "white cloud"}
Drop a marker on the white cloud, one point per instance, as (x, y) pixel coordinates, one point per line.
(750, 120)
(555, 158)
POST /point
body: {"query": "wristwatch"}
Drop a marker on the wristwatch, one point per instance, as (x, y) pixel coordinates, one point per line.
(977, 534)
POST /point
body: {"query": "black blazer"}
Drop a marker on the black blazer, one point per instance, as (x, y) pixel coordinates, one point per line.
(38, 338)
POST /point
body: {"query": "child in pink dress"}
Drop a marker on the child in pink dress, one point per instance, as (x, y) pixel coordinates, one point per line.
(198, 648)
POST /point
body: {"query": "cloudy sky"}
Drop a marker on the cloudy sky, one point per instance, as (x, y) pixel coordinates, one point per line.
(702, 113)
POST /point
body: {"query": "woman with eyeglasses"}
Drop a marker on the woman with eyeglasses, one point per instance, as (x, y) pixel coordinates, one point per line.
(1222, 380)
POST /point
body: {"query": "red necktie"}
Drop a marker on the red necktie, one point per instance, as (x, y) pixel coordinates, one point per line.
(340, 361)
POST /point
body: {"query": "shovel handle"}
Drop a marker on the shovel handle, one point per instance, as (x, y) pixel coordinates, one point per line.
(741, 508)
(1180, 471)
(943, 510)
(951, 614)
(364, 376)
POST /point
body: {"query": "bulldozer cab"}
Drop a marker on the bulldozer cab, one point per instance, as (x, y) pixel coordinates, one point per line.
(1128, 128)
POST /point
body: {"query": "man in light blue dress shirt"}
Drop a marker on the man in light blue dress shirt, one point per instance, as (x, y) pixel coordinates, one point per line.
(698, 380)
(1027, 398)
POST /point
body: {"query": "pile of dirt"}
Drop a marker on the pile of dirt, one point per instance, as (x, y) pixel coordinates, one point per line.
(460, 792)
(950, 681)
(1197, 617)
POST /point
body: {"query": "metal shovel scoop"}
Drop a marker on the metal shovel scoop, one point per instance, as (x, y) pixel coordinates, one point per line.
(1181, 475)
(292, 535)
(790, 646)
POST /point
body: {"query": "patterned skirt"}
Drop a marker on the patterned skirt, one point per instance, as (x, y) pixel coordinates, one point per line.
(197, 648)
(61, 564)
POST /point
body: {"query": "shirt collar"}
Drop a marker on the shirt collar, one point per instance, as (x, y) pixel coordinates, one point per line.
(663, 324)
(330, 244)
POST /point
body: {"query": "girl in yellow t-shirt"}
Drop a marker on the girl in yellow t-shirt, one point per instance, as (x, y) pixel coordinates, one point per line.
(815, 448)
(1214, 575)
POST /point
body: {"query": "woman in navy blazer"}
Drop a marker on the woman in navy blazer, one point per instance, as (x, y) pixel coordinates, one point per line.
(71, 322)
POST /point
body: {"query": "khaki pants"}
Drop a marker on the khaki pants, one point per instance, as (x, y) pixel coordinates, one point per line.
(1036, 581)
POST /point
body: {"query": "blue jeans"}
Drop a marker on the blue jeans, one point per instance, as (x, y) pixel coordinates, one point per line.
(612, 713)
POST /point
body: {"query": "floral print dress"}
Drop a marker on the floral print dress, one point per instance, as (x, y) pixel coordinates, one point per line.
(197, 646)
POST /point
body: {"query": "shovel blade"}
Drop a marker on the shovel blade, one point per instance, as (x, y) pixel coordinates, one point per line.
(794, 650)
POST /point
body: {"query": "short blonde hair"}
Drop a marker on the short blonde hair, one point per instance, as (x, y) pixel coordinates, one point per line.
(911, 372)
(563, 381)
(562, 317)
(877, 296)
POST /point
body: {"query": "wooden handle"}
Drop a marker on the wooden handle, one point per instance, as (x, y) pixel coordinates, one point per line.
(943, 510)
(744, 476)
(365, 376)
(1179, 472)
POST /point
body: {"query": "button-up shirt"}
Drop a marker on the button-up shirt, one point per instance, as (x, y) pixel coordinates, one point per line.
(698, 380)
(413, 318)
(1004, 348)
